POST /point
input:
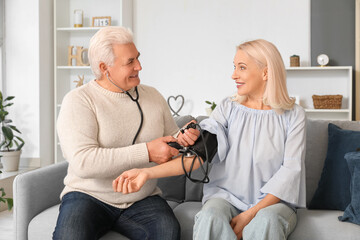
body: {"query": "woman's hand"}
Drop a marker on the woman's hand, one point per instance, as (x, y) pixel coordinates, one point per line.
(189, 136)
(130, 181)
(239, 222)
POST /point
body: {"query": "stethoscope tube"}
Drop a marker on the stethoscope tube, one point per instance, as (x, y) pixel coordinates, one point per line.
(136, 100)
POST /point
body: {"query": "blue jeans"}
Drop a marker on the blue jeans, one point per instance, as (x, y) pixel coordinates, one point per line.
(271, 223)
(84, 217)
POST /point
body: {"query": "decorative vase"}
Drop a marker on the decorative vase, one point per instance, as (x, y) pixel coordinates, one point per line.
(10, 160)
(208, 111)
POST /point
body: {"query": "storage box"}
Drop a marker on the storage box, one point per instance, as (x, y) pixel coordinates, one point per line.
(327, 101)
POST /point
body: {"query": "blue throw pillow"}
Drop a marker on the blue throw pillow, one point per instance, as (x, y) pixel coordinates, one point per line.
(352, 212)
(333, 190)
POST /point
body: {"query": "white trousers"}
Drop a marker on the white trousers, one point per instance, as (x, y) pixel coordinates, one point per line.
(275, 222)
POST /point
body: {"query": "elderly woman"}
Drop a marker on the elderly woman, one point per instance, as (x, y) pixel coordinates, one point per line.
(257, 178)
(110, 125)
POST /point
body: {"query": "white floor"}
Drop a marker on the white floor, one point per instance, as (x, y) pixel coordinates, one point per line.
(6, 225)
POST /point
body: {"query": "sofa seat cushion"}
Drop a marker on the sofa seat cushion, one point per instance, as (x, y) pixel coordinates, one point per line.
(323, 224)
(42, 226)
(185, 213)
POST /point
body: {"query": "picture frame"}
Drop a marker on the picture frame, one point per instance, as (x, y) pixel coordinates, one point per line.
(101, 21)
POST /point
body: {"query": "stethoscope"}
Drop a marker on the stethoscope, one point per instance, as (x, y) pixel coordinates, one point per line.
(133, 99)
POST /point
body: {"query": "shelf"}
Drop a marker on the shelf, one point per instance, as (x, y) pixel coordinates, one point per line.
(73, 67)
(319, 68)
(310, 110)
(304, 82)
(66, 78)
(5, 175)
(78, 29)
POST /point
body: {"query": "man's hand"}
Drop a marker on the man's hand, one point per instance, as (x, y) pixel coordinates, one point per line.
(189, 137)
(159, 151)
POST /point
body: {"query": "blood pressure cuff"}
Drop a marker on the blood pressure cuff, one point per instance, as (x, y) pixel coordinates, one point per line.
(211, 143)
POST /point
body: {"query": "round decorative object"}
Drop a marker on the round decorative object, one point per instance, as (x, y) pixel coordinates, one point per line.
(323, 60)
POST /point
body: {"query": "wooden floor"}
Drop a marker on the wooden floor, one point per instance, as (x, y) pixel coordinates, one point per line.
(6, 225)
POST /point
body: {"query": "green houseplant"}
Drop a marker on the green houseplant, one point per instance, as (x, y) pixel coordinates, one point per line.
(211, 108)
(10, 144)
(8, 201)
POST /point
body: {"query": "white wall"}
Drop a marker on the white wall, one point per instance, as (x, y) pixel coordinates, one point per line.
(187, 47)
(29, 75)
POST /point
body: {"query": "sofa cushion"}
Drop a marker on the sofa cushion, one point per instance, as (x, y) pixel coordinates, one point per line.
(316, 148)
(185, 213)
(352, 212)
(47, 220)
(194, 190)
(322, 224)
(333, 190)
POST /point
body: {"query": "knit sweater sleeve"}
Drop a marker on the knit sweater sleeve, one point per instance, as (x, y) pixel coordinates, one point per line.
(77, 128)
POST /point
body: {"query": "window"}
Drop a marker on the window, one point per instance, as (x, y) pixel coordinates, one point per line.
(2, 49)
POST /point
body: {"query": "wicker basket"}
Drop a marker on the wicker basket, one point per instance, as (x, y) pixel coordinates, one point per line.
(294, 61)
(327, 101)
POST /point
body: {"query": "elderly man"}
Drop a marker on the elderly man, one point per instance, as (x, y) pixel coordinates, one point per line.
(110, 125)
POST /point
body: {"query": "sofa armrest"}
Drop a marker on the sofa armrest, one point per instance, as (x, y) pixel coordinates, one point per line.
(34, 192)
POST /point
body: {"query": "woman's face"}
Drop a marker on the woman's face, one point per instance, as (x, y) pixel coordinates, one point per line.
(249, 77)
(125, 70)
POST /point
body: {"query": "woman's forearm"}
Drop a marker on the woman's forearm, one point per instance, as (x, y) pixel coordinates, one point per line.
(267, 201)
(172, 168)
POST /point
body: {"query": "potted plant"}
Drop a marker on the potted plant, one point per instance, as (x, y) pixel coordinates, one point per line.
(8, 201)
(211, 108)
(10, 144)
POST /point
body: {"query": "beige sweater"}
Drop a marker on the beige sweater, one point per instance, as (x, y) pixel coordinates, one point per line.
(96, 128)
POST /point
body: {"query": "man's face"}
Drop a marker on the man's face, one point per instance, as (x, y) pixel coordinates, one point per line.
(125, 70)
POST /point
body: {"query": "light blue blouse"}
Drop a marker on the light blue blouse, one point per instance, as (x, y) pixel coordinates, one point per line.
(259, 152)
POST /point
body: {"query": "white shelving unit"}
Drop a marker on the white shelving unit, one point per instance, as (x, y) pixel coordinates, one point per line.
(303, 82)
(66, 35)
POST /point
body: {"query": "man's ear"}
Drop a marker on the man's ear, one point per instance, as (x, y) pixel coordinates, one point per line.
(103, 68)
(265, 74)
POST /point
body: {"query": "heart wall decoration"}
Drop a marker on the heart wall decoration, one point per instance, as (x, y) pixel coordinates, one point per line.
(178, 102)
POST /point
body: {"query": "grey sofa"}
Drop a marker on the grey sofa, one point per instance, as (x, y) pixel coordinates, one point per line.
(36, 196)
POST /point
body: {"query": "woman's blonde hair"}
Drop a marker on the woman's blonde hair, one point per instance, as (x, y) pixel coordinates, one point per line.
(267, 55)
(101, 46)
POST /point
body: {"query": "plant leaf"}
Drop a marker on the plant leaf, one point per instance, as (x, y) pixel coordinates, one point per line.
(14, 128)
(8, 105)
(208, 102)
(8, 133)
(21, 145)
(3, 115)
(9, 98)
(10, 203)
(2, 143)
